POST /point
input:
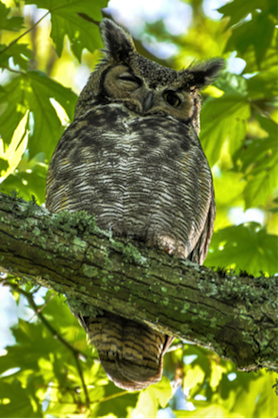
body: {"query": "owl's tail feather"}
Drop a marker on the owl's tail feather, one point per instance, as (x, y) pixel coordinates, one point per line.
(130, 353)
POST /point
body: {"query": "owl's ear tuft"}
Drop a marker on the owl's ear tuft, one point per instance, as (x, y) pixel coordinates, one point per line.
(203, 74)
(118, 44)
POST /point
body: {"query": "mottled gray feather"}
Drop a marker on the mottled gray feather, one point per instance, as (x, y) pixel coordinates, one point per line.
(134, 161)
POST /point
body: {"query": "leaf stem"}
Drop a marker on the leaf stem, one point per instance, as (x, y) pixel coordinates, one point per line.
(24, 33)
(112, 396)
(10, 69)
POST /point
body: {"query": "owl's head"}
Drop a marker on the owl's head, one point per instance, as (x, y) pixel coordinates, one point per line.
(143, 86)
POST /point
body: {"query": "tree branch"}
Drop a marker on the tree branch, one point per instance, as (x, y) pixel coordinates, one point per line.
(231, 315)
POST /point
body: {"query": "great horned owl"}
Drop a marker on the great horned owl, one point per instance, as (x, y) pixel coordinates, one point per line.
(132, 158)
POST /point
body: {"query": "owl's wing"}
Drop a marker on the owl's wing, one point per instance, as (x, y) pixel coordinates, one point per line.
(200, 250)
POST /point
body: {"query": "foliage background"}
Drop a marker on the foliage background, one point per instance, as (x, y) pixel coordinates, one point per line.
(47, 49)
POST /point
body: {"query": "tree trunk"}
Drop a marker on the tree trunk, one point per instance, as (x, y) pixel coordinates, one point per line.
(235, 316)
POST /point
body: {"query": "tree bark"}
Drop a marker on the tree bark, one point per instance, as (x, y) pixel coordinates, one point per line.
(234, 316)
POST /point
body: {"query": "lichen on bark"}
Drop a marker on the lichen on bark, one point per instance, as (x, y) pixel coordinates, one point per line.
(233, 315)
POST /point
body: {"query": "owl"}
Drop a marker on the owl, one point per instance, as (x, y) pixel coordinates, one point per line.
(132, 158)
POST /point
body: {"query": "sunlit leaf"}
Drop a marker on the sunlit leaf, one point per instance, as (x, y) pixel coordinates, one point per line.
(12, 154)
(217, 372)
(253, 397)
(249, 395)
(223, 120)
(240, 9)
(70, 328)
(33, 92)
(205, 38)
(207, 410)
(76, 19)
(193, 376)
(63, 405)
(255, 34)
(20, 53)
(13, 23)
(270, 60)
(30, 182)
(261, 186)
(244, 247)
(16, 401)
(153, 397)
(229, 187)
(41, 357)
(232, 84)
(115, 402)
(264, 84)
(266, 403)
(4, 165)
(259, 162)
(31, 345)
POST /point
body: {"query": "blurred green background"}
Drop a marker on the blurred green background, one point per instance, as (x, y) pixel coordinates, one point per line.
(47, 50)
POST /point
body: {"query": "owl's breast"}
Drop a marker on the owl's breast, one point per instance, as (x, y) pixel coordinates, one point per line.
(144, 177)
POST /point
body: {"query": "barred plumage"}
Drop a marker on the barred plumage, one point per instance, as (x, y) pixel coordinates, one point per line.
(132, 158)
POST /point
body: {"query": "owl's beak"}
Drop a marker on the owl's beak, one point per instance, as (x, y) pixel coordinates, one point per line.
(147, 103)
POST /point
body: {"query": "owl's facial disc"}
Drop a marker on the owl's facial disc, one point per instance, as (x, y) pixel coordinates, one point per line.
(122, 86)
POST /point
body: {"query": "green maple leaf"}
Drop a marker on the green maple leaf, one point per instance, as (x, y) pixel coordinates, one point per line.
(78, 20)
(13, 23)
(246, 247)
(20, 54)
(223, 119)
(34, 91)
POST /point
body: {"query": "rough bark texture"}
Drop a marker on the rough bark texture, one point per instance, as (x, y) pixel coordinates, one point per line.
(233, 316)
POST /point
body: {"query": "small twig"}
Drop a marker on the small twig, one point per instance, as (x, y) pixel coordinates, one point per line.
(82, 381)
(60, 402)
(88, 18)
(11, 69)
(24, 33)
(74, 351)
(102, 400)
(112, 396)
(260, 110)
(37, 310)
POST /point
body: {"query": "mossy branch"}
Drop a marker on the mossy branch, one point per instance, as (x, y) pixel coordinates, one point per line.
(234, 316)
